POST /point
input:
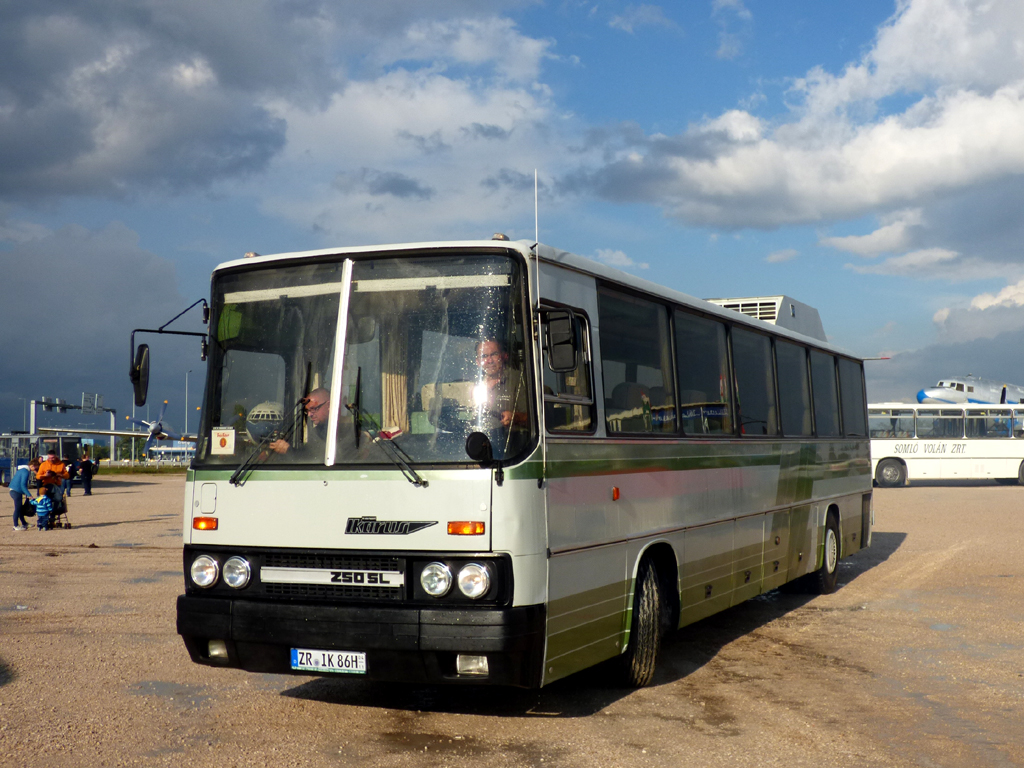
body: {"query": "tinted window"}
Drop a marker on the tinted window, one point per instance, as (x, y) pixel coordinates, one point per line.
(826, 400)
(794, 388)
(568, 401)
(851, 390)
(702, 358)
(755, 383)
(636, 363)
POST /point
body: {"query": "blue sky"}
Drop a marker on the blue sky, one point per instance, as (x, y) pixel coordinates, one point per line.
(866, 158)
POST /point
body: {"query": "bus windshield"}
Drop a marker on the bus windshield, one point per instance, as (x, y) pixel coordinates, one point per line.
(433, 350)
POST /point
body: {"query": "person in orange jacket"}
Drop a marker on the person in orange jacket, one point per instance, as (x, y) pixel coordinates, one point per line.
(52, 472)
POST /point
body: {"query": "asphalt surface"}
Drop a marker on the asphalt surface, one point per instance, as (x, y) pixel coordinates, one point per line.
(916, 660)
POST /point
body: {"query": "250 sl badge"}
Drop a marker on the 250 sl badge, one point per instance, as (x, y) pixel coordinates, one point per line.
(373, 527)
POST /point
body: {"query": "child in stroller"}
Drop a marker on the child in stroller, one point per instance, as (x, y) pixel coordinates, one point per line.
(51, 509)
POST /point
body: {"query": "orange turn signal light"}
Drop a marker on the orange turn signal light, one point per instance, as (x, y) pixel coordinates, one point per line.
(615, 493)
(466, 528)
(204, 523)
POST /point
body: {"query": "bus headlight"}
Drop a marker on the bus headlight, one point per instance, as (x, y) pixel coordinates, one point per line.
(237, 572)
(205, 571)
(474, 580)
(436, 579)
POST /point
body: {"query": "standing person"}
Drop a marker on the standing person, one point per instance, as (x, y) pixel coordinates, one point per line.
(72, 472)
(19, 489)
(44, 506)
(87, 470)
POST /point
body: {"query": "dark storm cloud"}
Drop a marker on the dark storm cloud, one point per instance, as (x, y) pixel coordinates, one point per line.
(382, 183)
(507, 178)
(490, 132)
(428, 145)
(103, 97)
(70, 300)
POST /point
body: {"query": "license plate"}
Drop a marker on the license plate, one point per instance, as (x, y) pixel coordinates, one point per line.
(345, 662)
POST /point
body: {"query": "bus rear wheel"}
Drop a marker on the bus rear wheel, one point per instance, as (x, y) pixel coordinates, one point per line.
(645, 629)
(823, 581)
(890, 473)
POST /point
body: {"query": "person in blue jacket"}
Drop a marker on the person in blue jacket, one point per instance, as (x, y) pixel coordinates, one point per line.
(44, 507)
(19, 489)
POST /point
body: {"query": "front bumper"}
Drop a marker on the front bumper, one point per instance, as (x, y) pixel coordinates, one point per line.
(401, 644)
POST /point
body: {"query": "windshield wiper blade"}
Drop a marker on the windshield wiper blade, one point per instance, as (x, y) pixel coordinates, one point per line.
(385, 441)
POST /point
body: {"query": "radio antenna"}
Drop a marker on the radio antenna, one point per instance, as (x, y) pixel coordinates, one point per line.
(536, 220)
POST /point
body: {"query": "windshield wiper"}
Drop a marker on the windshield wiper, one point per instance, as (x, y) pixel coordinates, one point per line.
(383, 439)
(258, 453)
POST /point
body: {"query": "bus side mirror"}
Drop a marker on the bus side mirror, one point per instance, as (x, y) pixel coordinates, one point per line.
(478, 448)
(561, 341)
(139, 374)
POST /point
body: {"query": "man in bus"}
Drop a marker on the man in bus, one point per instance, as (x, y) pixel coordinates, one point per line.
(316, 406)
(501, 393)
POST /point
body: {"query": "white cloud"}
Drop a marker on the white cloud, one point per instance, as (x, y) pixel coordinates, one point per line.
(636, 16)
(618, 259)
(923, 263)
(477, 42)
(891, 237)
(955, 67)
(777, 257)
(1010, 296)
(413, 154)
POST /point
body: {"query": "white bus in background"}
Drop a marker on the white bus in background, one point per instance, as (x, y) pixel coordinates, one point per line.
(946, 442)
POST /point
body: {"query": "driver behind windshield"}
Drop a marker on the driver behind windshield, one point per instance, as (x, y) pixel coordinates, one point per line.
(500, 394)
(316, 406)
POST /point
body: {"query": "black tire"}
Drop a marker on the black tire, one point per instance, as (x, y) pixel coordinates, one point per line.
(641, 654)
(890, 473)
(823, 581)
(1020, 474)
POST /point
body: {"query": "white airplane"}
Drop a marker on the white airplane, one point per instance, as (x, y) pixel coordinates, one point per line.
(971, 389)
(154, 431)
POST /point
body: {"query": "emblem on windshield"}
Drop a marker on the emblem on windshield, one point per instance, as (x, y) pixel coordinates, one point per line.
(374, 527)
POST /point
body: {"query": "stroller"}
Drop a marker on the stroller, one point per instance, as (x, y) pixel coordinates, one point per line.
(58, 517)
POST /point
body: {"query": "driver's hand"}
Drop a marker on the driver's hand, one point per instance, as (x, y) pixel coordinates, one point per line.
(279, 446)
(506, 418)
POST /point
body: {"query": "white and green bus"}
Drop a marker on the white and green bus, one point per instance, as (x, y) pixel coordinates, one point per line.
(497, 462)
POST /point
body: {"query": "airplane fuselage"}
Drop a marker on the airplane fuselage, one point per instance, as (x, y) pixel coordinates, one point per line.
(971, 389)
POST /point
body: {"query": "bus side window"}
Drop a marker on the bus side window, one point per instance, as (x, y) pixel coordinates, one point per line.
(851, 395)
(636, 364)
(755, 382)
(826, 400)
(702, 359)
(568, 396)
(794, 388)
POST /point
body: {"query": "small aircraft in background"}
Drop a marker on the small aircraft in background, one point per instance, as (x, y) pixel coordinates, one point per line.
(971, 389)
(155, 430)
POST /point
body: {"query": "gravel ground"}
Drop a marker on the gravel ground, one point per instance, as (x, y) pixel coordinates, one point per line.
(916, 660)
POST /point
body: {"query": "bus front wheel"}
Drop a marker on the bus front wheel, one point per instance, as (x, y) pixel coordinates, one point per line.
(645, 629)
(890, 473)
(823, 581)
